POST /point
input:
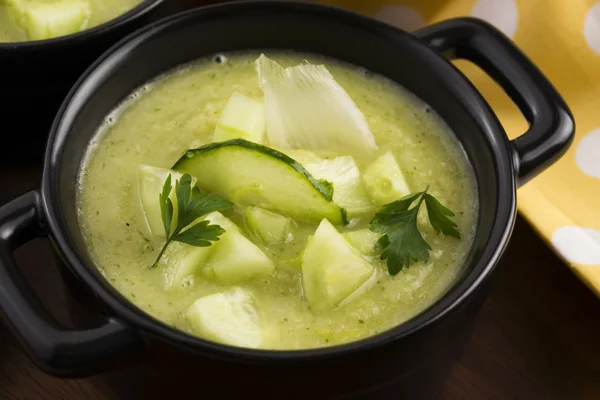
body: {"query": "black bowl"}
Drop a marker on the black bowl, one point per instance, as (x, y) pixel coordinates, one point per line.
(409, 360)
(37, 75)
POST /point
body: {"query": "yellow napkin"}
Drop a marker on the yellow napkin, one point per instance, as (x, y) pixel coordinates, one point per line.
(562, 37)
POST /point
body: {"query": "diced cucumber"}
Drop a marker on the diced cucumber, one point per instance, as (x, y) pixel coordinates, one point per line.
(303, 156)
(384, 180)
(216, 218)
(249, 174)
(229, 317)
(150, 184)
(363, 240)
(331, 268)
(234, 257)
(180, 262)
(243, 118)
(362, 289)
(268, 226)
(348, 189)
(49, 19)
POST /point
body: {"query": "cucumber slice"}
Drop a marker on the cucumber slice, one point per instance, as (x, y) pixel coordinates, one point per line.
(48, 19)
(249, 174)
(384, 180)
(150, 184)
(244, 118)
(331, 268)
(348, 189)
(234, 257)
(362, 240)
(268, 226)
(229, 317)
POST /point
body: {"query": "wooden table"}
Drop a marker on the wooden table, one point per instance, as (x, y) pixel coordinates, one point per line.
(536, 337)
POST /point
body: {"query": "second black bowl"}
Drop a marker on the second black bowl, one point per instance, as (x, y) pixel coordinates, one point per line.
(36, 77)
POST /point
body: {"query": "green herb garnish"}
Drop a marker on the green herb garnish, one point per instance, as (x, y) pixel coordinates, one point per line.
(402, 242)
(191, 205)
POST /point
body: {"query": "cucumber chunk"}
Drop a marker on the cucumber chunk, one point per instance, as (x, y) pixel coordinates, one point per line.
(269, 227)
(331, 268)
(303, 156)
(150, 184)
(348, 189)
(48, 19)
(234, 257)
(362, 289)
(362, 240)
(180, 262)
(244, 118)
(229, 317)
(384, 180)
(249, 174)
(231, 259)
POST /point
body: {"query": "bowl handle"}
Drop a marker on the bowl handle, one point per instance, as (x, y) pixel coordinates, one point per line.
(57, 350)
(551, 125)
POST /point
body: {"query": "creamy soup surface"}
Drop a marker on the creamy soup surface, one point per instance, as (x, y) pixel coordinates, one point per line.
(179, 111)
(26, 20)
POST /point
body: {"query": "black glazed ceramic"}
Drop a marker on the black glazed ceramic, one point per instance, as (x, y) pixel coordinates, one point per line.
(409, 361)
(36, 77)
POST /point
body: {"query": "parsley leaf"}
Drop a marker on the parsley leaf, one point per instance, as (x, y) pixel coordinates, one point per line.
(401, 242)
(166, 206)
(200, 234)
(438, 217)
(191, 205)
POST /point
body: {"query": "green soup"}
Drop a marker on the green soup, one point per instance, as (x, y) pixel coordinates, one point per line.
(28, 20)
(179, 111)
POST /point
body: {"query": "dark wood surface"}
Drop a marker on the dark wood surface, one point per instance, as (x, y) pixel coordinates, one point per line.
(536, 337)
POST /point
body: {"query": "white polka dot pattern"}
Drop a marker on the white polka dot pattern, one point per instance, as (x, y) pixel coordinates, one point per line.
(503, 14)
(402, 17)
(578, 245)
(591, 28)
(587, 154)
